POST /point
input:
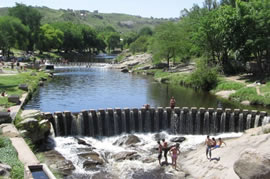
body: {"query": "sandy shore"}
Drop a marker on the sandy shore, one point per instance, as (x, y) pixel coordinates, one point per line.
(223, 159)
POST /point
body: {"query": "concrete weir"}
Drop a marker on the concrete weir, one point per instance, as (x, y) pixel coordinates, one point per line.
(184, 120)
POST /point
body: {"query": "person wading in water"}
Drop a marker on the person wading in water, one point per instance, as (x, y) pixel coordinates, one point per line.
(165, 149)
(172, 102)
(160, 152)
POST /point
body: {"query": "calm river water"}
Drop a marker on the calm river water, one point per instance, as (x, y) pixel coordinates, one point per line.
(75, 89)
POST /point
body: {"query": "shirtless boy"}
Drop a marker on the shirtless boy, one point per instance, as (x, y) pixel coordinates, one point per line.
(160, 152)
(209, 144)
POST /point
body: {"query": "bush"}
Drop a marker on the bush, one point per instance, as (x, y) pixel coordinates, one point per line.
(204, 77)
(228, 85)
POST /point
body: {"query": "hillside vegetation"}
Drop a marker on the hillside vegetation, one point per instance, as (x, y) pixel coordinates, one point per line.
(120, 22)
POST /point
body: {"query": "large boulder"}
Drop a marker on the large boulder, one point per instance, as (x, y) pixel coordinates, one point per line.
(91, 160)
(252, 165)
(127, 140)
(36, 130)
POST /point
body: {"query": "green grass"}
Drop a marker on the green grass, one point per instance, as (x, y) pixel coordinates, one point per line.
(10, 84)
(228, 85)
(251, 95)
(8, 155)
(266, 89)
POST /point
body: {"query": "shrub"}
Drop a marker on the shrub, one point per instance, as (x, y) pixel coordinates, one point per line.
(204, 77)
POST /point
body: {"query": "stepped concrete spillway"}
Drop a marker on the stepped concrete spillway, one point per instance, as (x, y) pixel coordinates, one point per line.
(184, 120)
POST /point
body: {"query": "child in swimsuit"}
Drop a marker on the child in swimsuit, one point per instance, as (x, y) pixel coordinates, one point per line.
(174, 151)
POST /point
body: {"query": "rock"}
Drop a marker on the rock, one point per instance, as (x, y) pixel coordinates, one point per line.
(36, 131)
(160, 66)
(125, 70)
(252, 165)
(5, 117)
(29, 124)
(30, 114)
(82, 142)
(178, 139)
(41, 83)
(125, 155)
(159, 136)
(149, 160)
(92, 160)
(14, 99)
(23, 87)
(247, 103)
(33, 74)
(9, 130)
(146, 67)
(57, 162)
(4, 170)
(127, 140)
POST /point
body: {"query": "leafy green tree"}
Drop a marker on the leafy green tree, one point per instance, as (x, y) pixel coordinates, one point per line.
(112, 40)
(49, 38)
(166, 42)
(29, 17)
(145, 31)
(13, 34)
(140, 45)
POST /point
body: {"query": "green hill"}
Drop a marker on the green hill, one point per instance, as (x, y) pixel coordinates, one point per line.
(121, 22)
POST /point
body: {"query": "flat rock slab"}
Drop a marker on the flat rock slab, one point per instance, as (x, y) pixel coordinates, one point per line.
(225, 94)
(9, 130)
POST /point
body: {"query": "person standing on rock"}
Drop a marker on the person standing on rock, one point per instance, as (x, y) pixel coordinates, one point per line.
(172, 102)
(160, 152)
(209, 144)
(174, 151)
(165, 149)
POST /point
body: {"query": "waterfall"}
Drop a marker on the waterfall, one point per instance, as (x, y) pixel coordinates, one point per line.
(111, 122)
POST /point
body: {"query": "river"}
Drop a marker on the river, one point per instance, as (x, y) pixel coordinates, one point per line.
(77, 88)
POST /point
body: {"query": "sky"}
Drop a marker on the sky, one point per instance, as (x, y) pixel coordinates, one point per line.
(144, 8)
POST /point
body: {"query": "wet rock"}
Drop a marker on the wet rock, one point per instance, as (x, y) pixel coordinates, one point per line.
(178, 139)
(125, 155)
(4, 170)
(82, 142)
(57, 162)
(91, 160)
(161, 66)
(252, 164)
(149, 160)
(84, 150)
(125, 70)
(127, 140)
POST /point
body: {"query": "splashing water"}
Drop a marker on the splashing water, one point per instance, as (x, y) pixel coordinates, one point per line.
(106, 147)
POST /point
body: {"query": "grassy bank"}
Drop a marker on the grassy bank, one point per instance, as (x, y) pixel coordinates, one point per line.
(8, 155)
(10, 83)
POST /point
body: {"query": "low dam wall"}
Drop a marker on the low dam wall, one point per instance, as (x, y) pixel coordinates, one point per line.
(184, 120)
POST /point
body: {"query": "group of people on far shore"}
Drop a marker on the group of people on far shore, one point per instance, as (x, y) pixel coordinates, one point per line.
(212, 144)
(174, 152)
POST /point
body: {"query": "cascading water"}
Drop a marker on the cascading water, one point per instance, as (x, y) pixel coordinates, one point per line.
(142, 164)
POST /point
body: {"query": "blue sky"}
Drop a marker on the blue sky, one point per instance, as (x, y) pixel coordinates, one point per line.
(144, 8)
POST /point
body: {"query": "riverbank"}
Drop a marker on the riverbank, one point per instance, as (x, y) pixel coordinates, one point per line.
(14, 150)
(243, 88)
(244, 157)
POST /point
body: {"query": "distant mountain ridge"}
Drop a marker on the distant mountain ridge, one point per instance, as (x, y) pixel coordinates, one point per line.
(121, 22)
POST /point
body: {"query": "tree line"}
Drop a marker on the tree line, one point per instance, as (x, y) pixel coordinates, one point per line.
(228, 33)
(22, 29)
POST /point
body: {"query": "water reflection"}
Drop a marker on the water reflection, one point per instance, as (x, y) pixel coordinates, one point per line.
(75, 89)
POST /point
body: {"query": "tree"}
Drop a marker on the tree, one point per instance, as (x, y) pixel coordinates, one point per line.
(29, 17)
(49, 38)
(145, 31)
(166, 42)
(140, 45)
(112, 40)
(12, 34)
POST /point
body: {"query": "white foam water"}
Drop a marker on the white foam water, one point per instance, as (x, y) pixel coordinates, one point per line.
(68, 147)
